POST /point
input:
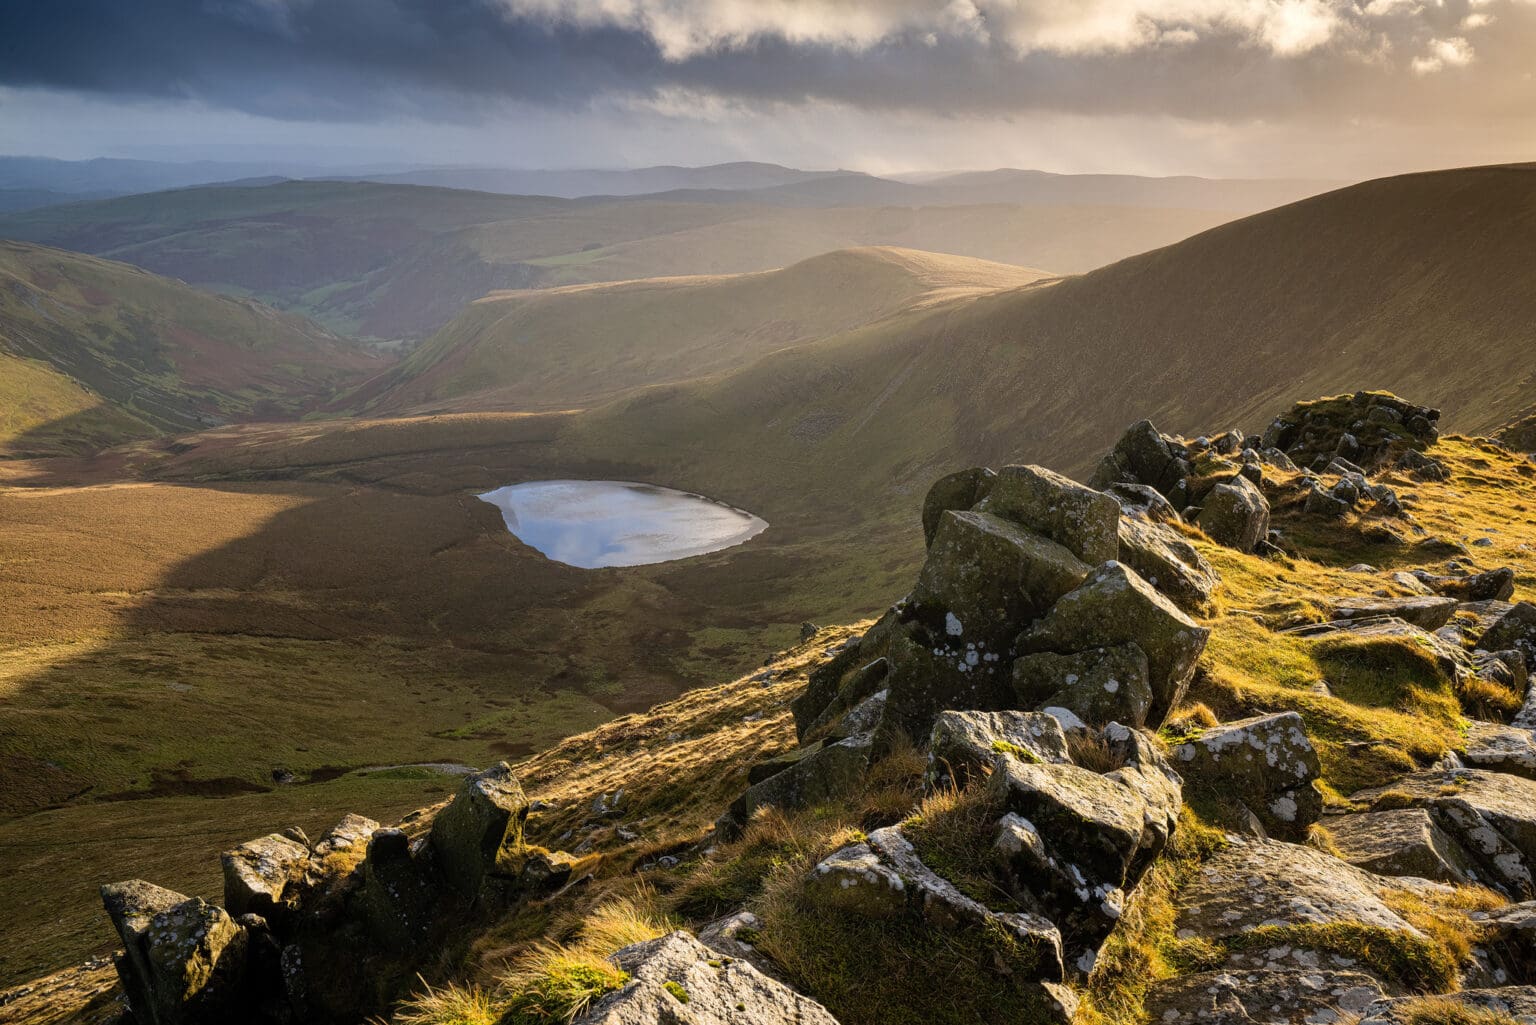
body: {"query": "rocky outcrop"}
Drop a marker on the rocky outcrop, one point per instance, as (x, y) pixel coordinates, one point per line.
(964, 745)
(1515, 630)
(1401, 842)
(678, 979)
(1097, 686)
(1169, 563)
(1266, 763)
(1235, 514)
(1493, 585)
(323, 933)
(1426, 613)
(1369, 429)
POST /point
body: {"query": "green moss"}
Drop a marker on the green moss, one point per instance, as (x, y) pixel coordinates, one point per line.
(1022, 753)
(677, 990)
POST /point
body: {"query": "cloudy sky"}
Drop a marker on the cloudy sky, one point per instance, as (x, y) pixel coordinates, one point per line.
(1327, 88)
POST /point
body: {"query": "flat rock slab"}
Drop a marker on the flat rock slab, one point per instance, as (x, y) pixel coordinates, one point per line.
(1517, 1003)
(1423, 611)
(1254, 883)
(1263, 997)
(678, 979)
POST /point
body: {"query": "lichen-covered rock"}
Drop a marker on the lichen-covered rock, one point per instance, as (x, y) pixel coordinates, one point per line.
(1099, 686)
(885, 877)
(853, 705)
(1265, 762)
(931, 673)
(1315, 433)
(1079, 518)
(1401, 842)
(350, 834)
(963, 744)
(959, 491)
(1115, 606)
(1426, 613)
(1492, 815)
(400, 895)
(1235, 514)
(827, 679)
(485, 816)
(1078, 841)
(1262, 997)
(735, 936)
(258, 876)
(1169, 563)
(985, 577)
(1513, 1004)
(677, 979)
(183, 958)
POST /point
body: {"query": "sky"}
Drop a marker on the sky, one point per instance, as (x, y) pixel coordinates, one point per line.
(1255, 88)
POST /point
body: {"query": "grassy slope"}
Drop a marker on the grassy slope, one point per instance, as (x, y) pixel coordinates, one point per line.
(97, 351)
(565, 347)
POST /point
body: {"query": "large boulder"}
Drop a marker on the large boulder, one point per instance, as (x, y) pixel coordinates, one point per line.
(1079, 518)
(1116, 606)
(1143, 456)
(485, 817)
(985, 577)
(183, 959)
(259, 877)
(931, 673)
(677, 979)
(1494, 585)
(958, 491)
(1266, 763)
(1235, 514)
(401, 894)
(1500, 748)
(1401, 842)
(1098, 686)
(1169, 563)
(1143, 501)
(964, 745)
(1252, 883)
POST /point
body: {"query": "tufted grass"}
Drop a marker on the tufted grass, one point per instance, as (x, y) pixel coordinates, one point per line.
(952, 832)
(448, 1005)
(1446, 1011)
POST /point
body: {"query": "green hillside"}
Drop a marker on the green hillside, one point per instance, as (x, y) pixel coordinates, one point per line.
(93, 352)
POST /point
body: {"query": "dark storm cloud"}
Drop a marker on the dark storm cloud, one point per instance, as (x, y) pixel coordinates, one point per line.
(352, 59)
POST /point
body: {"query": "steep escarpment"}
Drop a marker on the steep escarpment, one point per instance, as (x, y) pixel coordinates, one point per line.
(1238, 733)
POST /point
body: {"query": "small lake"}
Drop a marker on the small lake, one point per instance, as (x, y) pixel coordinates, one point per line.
(596, 523)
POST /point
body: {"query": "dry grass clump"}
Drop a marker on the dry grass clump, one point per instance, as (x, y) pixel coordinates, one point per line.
(1445, 918)
(952, 832)
(1449, 1011)
(449, 1005)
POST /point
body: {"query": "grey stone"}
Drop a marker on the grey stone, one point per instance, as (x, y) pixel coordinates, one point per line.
(1235, 514)
(985, 576)
(1515, 629)
(1500, 748)
(1144, 502)
(1262, 997)
(831, 770)
(183, 959)
(1494, 585)
(1426, 613)
(965, 744)
(257, 874)
(1115, 606)
(484, 818)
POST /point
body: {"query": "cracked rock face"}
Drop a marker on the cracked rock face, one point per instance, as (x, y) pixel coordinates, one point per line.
(1401, 842)
(676, 980)
(485, 816)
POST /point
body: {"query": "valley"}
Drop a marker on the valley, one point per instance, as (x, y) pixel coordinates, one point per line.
(243, 561)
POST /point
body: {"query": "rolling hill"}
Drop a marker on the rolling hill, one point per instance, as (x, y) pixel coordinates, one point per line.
(94, 352)
(560, 348)
(392, 262)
